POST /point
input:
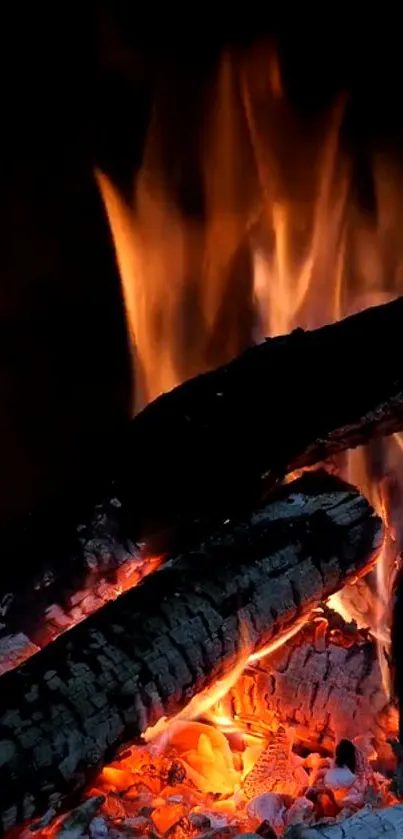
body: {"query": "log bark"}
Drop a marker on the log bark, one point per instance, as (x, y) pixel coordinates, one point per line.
(206, 450)
(218, 440)
(367, 824)
(325, 681)
(76, 569)
(67, 710)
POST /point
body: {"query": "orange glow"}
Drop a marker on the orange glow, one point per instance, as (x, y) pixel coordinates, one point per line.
(276, 227)
(277, 239)
(214, 771)
(204, 700)
(94, 594)
(277, 642)
(281, 190)
(217, 768)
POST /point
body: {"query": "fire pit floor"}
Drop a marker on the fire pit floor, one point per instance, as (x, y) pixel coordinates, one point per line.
(247, 765)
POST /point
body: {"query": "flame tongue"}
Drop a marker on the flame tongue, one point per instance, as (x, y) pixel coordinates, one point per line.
(229, 773)
(278, 239)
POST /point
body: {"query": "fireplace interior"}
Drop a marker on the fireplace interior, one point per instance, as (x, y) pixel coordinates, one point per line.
(200, 599)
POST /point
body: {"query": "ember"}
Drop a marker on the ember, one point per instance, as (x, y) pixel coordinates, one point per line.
(261, 761)
(248, 675)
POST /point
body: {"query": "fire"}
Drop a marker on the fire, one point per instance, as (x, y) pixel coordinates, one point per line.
(202, 702)
(280, 237)
(276, 238)
(230, 773)
(97, 590)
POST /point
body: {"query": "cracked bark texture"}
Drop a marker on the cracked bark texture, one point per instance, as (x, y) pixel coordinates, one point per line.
(77, 568)
(67, 710)
(367, 824)
(325, 681)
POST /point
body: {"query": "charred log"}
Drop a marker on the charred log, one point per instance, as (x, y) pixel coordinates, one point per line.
(144, 656)
(371, 824)
(325, 681)
(208, 449)
(233, 432)
(97, 562)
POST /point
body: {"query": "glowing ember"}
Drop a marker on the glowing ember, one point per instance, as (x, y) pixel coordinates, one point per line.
(229, 773)
(315, 254)
(15, 649)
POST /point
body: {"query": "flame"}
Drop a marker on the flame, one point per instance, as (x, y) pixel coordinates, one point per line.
(211, 772)
(248, 221)
(274, 645)
(205, 699)
(279, 228)
(217, 768)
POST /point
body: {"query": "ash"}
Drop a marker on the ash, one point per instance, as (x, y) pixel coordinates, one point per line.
(248, 766)
(209, 784)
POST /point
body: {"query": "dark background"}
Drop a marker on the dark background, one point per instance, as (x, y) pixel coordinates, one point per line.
(76, 91)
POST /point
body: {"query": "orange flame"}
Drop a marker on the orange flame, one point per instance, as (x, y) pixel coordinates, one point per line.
(276, 237)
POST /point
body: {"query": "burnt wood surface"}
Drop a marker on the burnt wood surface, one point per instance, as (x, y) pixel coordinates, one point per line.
(203, 452)
(100, 560)
(325, 682)
(366, 824)
(68, 709)
(222, 438)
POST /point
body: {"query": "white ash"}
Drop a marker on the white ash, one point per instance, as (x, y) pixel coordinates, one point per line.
(13, 649)
(98, 828)
(300, 811)
(367, 824)
(339, 777)
(269, 807)
(74, 824)
(46, 820)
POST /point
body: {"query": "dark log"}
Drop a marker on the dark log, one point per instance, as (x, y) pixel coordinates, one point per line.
(205, 451)
(216, 441)
(325, 681)
(145, 655)
(93, 566)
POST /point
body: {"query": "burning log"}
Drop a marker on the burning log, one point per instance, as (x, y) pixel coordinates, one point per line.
(179, 465)
(325, 682)
(178, 459)
(96, 562)
(233, 432)
(144, 656)
(367, 824)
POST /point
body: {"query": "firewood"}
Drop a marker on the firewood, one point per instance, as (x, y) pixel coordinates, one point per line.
(68, 709)
(93, 566)
(325, 682)
(217, 440)
(207, 450)
(367, 824)
(397, 658)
